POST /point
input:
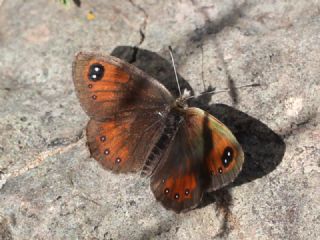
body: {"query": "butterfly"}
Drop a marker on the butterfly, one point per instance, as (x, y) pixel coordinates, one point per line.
(137, 125)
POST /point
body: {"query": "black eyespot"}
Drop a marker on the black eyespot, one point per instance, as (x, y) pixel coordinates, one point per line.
(166, 191)
(227, 156)
(103, 138)
(106, 152)
(220, 170)
(118, 160)
(96, 72)
(94, 97)
(186, 192)
(176, 196)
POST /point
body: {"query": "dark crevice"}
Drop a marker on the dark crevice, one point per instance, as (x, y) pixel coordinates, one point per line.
(142, 36)
(66, 141)
(142, 30)
(136, 48)
(134, 55)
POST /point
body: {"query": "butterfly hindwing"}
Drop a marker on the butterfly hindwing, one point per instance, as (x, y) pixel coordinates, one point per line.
(123, 145)
(180, 179)
(193, 161)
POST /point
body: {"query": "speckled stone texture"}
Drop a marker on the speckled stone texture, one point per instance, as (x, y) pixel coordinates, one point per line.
(50, 188)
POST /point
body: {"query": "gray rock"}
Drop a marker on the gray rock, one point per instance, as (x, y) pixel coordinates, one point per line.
(51, 189)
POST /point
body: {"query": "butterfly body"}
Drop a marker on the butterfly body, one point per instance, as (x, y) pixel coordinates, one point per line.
(137, 125)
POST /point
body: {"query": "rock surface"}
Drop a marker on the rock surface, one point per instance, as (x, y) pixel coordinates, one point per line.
(50, 188)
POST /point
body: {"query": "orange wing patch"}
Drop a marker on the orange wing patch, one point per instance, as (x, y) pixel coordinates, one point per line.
(180, 188)
(109, 85)
(111, 72)
(109, 144)
(218, 160)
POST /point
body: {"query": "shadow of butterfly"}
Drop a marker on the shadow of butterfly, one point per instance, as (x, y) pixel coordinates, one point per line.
(137, 125)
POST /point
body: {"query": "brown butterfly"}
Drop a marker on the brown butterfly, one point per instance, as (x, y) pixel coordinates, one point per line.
(137, 125)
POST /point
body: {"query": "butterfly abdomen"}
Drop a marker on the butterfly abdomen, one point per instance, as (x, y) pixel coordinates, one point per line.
(171, 126)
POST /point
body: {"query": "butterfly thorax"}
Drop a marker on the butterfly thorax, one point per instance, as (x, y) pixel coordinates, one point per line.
(180, 104)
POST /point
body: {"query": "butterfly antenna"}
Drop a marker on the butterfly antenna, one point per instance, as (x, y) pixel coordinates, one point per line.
(224, 90)
(175, 71)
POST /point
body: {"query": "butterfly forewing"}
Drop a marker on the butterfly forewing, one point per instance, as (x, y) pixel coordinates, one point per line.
(223, 156)
(109, 87)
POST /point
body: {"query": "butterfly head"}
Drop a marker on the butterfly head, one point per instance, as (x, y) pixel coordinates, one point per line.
(181, 102)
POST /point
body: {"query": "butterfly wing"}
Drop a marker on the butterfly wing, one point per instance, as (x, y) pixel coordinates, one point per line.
(204, 155)
(123, 145)
(126, 107)
(109, 87)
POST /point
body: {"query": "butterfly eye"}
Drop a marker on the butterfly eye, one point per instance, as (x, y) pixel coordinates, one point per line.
(227, 156)
(96, 72)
